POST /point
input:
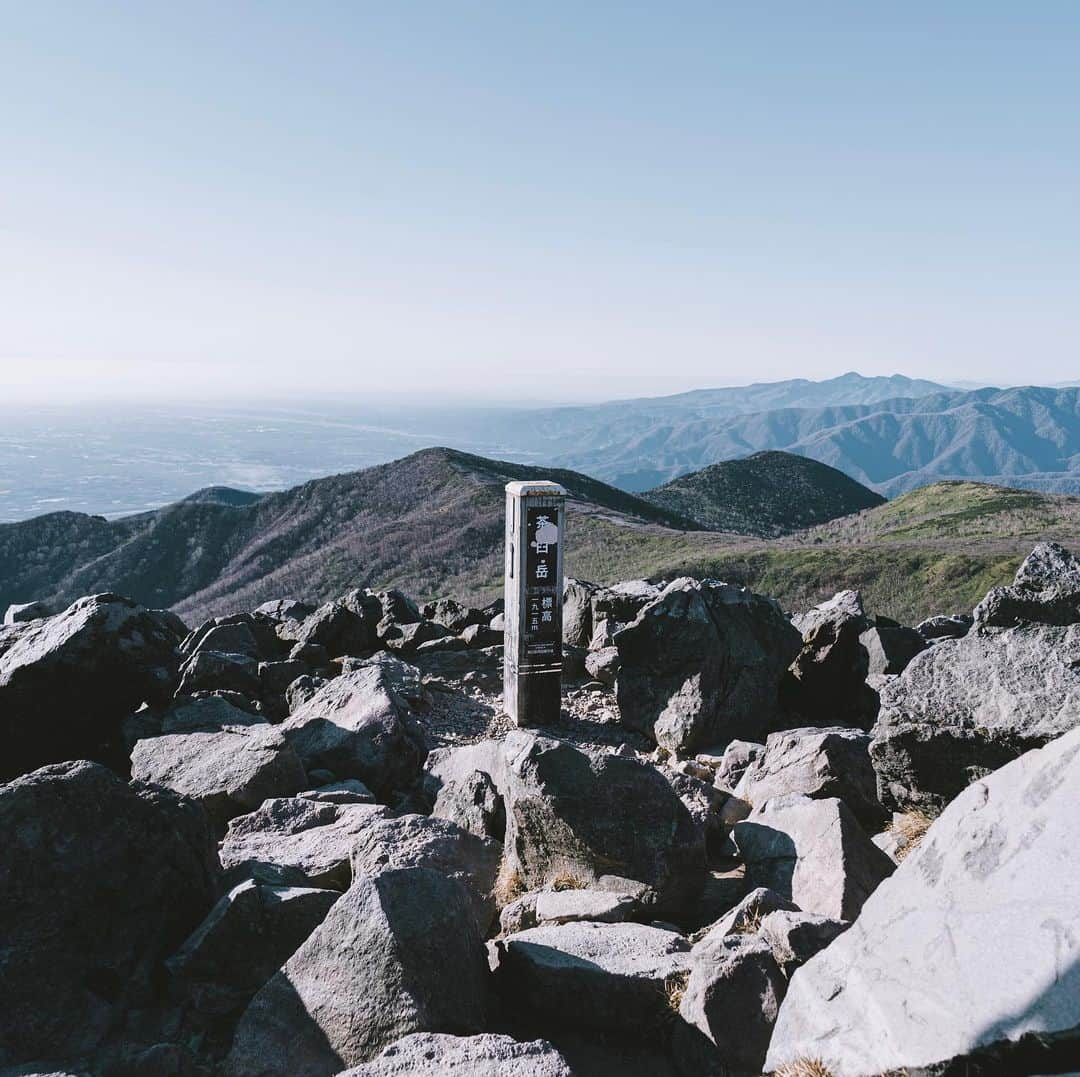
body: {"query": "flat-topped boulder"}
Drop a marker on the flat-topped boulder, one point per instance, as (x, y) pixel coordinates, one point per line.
(430, 1054)
(967, 706)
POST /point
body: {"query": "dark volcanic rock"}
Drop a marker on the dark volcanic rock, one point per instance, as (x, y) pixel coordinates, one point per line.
(968, 706)
(68, 682)
(577, 612)
(828, 677)
(570, 813)
(599, 977)
(99, 882)
(399, 953)
(359, 726)
(248, 935)
(1046, 590)
(435, 1055)
(228, 772)
(209, 671)
(703, 664)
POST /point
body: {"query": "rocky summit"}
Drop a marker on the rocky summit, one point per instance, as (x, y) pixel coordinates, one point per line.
(304, 839)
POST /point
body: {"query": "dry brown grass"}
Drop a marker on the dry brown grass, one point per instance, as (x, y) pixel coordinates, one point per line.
(675, 988)
(910, 828)
(750, 923)
(804, 1067)
(568, 880)
(509, 885)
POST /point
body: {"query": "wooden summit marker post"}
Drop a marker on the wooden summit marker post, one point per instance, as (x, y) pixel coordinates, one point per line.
(532, 658)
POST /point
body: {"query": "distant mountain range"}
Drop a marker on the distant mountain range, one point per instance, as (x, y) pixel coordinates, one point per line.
(889, 433)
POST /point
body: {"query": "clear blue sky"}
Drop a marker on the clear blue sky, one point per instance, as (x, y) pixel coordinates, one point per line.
(538, 200)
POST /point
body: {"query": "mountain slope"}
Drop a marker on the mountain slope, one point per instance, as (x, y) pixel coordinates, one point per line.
(766, 494)
(433, 521)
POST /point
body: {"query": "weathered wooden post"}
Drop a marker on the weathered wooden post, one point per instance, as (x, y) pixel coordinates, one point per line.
(532, 660)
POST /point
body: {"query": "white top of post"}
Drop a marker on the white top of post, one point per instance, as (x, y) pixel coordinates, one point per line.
(538, 488)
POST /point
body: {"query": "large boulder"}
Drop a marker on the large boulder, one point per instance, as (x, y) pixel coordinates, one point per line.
(572, 814)
(473, 802)
(620, 603)
(453, 615)
(795, 937)
(967, 706)
(812, 852)
(729, 1006)
(431, 1054)
(577, 612)
(360, 725)
(945, 626)
(345, 626)
(68, 682)
(229, 772)
(703, 664)
(592, 976)
(817, 763)
(248, 935)
(1046, 590)
(828, 676)
(298, 838)
(399, 953)
(20, 612)
(889, 648)
(211, 671)
(204, 714)
(971, 946)
(408, 841)
(99, 882)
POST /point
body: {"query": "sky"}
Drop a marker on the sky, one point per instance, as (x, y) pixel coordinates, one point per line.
(557, 201)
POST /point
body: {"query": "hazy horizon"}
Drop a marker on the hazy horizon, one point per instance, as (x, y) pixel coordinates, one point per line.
(537, 205)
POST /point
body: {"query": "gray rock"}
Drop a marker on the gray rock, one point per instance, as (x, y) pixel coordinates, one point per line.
(204, 714)
(399, 953)
(487, 1055)
(68, 682)
(312, 839)
(603, 665)
(745, 917)
(99, 881)
(397, 609)
(738, 755)
(813, 852)
(622, 602)
(817, 763)
(474, 804)
(20, 613)
(303, 689)
(359, 726)
(973, 943)
(248, 935)
(228, 772)
(285, 609)
(568, 813)
(603, 906)
(453, 615)
(275, 677)
(945, 626)
(346, 626)
(702, 664)
(349, 791)
(407, 638)
(418, 841)
(795, 937)
(207, 671)
(1046, 590)
(889, 649)
(828, 676)
(577, 611)
(729, 1007)
(965, 707)
(519, 914)
(600, 977)
(228, 639)
(481, 636)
